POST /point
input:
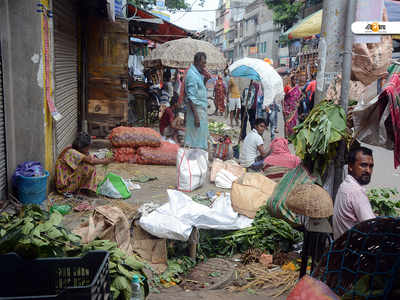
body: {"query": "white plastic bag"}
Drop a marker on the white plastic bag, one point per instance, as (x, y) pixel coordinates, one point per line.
(176, 219)
(225, 179)
(192, 167)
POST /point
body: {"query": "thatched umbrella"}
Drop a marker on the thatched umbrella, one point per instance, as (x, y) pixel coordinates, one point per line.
(179, 54)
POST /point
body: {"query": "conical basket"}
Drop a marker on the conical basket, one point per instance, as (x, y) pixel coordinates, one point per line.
(310, 200)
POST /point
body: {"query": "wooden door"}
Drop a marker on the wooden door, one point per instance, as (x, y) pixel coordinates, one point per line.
(107, 55)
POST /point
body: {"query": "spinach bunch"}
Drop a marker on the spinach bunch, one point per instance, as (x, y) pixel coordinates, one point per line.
(384, 201)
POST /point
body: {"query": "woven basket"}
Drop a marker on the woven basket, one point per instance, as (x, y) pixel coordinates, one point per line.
(310, 200)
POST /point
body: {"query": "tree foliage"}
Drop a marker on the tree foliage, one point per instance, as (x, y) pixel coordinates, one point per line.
(286, 12)
(170, 4)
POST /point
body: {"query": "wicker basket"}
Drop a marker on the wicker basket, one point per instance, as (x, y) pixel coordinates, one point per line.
(310, 200)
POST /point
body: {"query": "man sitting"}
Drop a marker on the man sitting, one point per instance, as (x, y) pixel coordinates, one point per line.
(252, 152)
(351, 204)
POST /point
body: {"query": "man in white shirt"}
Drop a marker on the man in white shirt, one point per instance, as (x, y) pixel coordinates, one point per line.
(252, 152)
(351, 204)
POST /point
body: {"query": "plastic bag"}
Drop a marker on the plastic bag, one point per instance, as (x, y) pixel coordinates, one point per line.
(28, 169)
(192, 167)
(134, 137)
(113, 186)
(176, 219)
(125, 154)
(164, 155)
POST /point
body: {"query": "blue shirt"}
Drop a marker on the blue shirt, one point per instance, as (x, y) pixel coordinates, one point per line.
(194, 87)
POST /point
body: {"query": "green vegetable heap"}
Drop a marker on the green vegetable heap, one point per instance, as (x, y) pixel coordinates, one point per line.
(384, 201)
(316, 140)
(218, 128)
(36, 233)
(266, 233)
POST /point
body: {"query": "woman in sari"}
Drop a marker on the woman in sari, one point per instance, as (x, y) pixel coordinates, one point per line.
(75, 168)
(219, 96)
(290, 104)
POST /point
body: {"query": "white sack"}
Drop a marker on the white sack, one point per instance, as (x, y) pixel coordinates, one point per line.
(225, 179)
(175, 219)
(191, 168)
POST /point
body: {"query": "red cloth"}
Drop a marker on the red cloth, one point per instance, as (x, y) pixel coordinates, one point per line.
(393, 92)
(287, 89)
(280, 155)
(166, 119)
(311, 88)
(220, 93)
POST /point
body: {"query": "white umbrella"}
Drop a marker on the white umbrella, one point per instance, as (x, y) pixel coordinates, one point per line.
(180, 53)
(262, 71)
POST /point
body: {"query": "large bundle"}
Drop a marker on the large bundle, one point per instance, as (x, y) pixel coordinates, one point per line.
(164, 155)
(134, 137)
(125, 154)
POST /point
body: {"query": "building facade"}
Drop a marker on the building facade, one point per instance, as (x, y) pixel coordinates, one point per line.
(246, 29)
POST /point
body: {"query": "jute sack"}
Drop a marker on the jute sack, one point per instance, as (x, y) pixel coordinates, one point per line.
(250, 192)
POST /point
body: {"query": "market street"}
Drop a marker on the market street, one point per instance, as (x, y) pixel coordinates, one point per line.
(194, 149)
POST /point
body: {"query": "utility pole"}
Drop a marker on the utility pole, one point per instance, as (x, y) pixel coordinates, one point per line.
(331, 45)
(331, 51)
(345, 89)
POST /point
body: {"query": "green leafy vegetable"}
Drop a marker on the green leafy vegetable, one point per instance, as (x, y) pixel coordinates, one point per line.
(316, 140)
(35, 233)
(266, 233)
(384, 201)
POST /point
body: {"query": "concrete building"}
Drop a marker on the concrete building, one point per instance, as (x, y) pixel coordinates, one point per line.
(246, 29)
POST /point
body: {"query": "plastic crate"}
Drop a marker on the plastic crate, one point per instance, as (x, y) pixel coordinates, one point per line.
(78, 278)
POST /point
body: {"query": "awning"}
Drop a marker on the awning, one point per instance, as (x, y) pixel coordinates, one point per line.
(311, 25)
(161, 33)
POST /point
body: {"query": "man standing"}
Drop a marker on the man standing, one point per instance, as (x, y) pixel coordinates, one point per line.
(196, 101)
(248, 114)
(252, 152)
(234, 101)
(351, 204)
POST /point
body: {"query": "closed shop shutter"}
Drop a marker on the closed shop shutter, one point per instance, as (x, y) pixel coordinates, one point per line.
(3, 157)
(66, 71)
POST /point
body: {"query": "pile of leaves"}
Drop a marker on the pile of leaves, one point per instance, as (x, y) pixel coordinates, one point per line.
(267, 233)
(35, 233)
(177, 267)
(384, 201)
(218, 128)
(316, 140)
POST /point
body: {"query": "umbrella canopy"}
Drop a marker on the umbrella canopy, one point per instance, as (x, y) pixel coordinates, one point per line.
(312, 24)
(309, 26)
(262, 71)
(180, 53)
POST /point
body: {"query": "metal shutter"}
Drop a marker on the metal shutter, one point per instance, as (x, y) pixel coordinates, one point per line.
(3, 157)
(66, 71)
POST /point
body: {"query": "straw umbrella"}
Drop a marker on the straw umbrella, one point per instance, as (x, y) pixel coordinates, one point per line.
(179, 54)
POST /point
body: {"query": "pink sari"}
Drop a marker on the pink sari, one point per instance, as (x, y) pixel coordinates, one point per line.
(290, 104)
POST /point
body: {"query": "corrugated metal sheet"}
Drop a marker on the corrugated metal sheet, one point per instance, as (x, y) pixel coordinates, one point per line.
(3, 157)
(66, 71)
